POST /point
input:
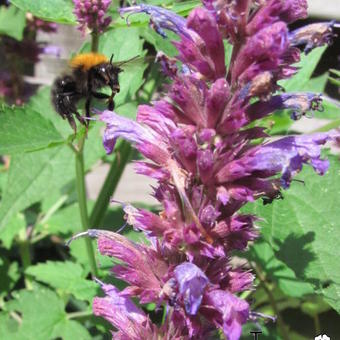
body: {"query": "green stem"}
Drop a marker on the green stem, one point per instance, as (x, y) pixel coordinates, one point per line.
(119, 161)
(81, 192)
(317, 324)
(280, 322)
(95, 40)
(81, 314)
(25, 255)
(164, 315)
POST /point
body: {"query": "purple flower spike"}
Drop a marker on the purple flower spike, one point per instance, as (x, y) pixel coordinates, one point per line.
(209, 160)
(192, 282)
(91, 14)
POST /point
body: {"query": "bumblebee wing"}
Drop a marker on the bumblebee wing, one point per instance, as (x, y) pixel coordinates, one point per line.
(134, 61)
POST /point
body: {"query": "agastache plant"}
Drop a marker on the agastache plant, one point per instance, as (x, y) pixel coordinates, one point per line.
(208, 162)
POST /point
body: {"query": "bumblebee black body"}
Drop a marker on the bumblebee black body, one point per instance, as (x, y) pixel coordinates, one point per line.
(90, 73)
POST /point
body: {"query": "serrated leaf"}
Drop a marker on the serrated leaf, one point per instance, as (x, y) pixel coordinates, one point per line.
(12, 22)
(306, 66)
(33, 176)
(66, 276)
(41, 311)
(304, 229)
(23, 129)
(60, 11)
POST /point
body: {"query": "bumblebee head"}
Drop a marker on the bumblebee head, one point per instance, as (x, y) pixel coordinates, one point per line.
(107, 74)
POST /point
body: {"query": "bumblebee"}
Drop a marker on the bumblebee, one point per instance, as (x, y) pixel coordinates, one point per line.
(90, 73)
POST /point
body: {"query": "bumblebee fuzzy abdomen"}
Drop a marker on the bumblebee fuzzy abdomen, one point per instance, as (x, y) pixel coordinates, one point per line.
(64, 95)
(86, 61)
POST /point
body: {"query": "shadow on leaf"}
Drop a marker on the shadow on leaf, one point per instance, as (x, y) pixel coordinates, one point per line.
(295, 251)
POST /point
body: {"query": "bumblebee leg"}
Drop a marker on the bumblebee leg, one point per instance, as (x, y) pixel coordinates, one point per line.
(105, 96)
(87, 109)
(99, 95)
(82, 121)
(73, 124)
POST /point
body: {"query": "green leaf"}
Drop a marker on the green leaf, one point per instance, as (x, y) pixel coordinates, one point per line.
(185, 7)
(67, 276)
(161, 44)
(33, 176)
(306, 66)
(15, 225)
(65, 221)
(316, 84)
(314, 306)
(59, 11)
(12, 22)
(303, 230)
(70, 330)
(41, 311)
(276, 270)
(23, 129)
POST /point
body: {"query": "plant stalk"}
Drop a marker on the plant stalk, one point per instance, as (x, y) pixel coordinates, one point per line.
(95, 40)
(120, 159)
(25, 255)
(81, 192)
(280, 322)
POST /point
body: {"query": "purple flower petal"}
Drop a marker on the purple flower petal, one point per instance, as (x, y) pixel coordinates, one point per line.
(300, 103)
(122, 313)
(228, 311)
(160, 19)
(313, 35)
(147, 140)
(192, 282)
(277, 10)
(286, 155)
